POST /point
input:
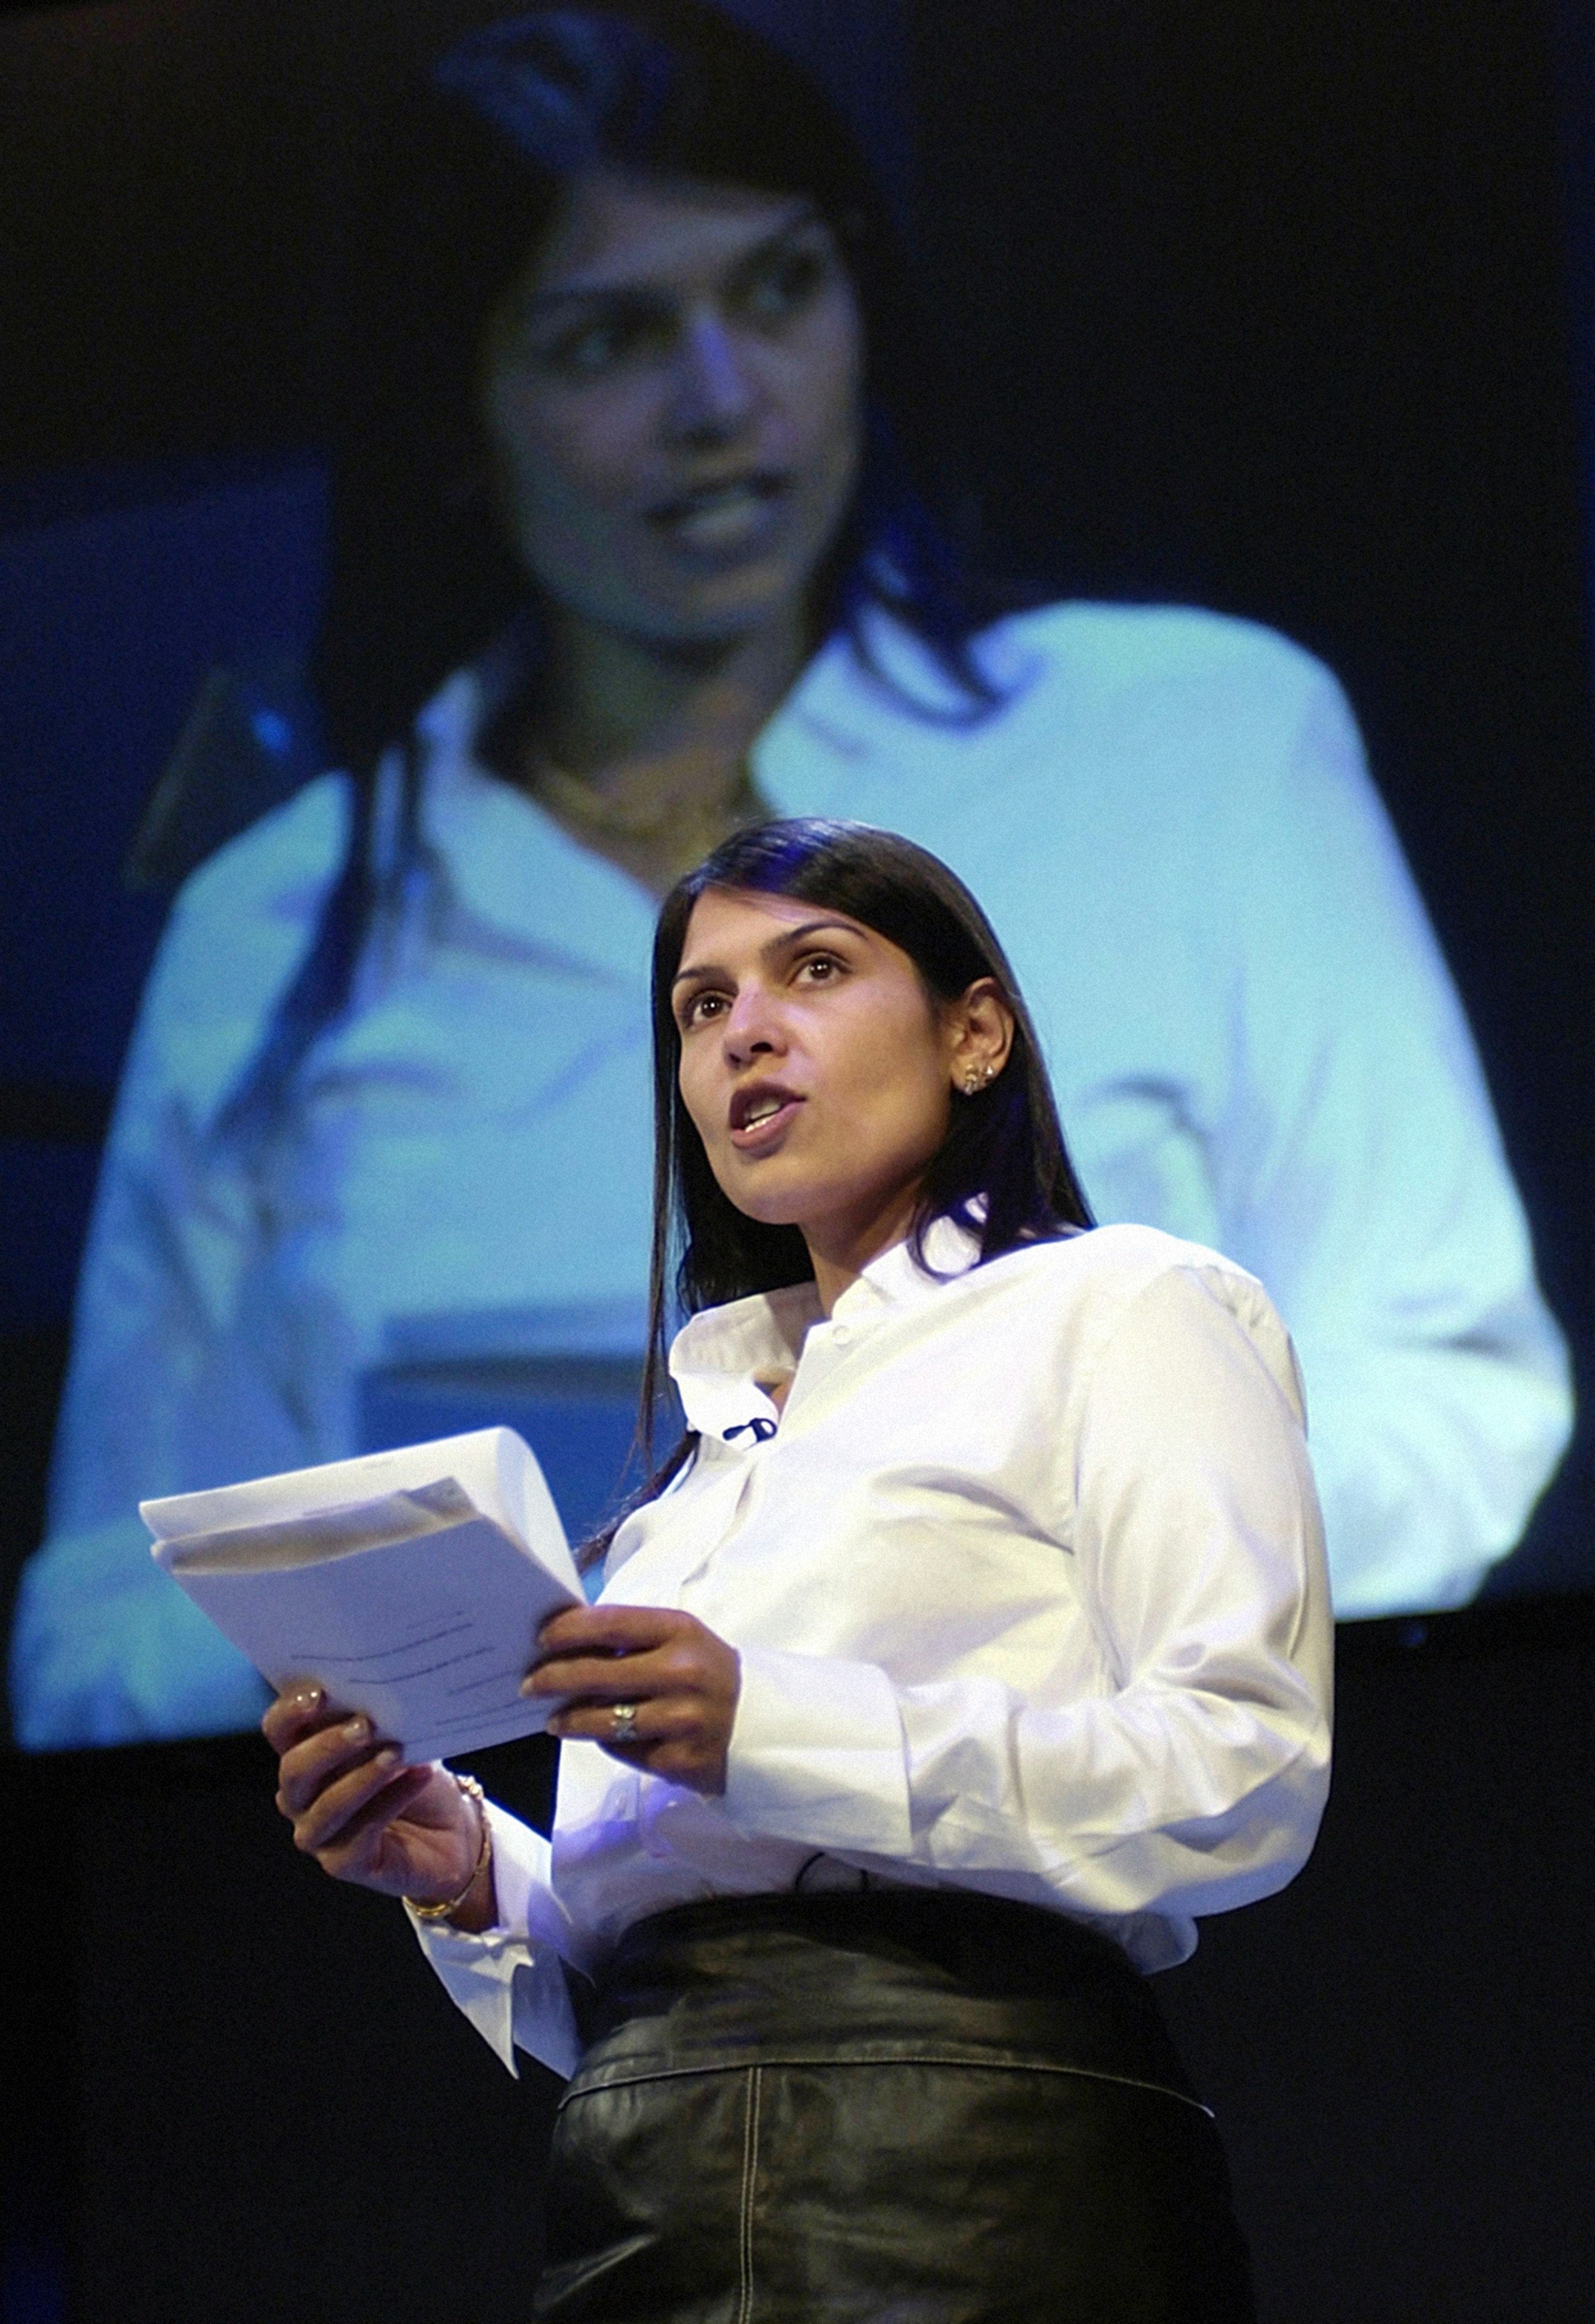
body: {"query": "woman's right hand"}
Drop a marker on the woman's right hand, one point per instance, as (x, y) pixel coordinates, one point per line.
(367, 1817)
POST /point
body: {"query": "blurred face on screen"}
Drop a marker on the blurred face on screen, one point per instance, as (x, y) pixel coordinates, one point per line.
(672, 394)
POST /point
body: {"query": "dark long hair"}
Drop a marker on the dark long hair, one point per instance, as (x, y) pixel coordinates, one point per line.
(422, 577)
(1002, 1172)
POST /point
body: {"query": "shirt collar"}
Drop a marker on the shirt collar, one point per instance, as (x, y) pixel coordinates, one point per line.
(516, 867)
(513, 867)
(510, 866)
(515, 871)
(719, 1357)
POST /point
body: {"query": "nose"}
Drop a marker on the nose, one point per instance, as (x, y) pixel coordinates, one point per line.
(750, 1027)
(716, 394)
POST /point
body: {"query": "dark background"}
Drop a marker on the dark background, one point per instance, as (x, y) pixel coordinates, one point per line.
(238, 2097)
(1285, 310)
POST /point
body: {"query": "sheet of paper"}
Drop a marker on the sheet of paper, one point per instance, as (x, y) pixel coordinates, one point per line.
(430, 1637)
(494, 1467)
(410, 1584)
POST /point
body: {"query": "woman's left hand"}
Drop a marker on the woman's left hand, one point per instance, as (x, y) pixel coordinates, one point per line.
(680, 1681)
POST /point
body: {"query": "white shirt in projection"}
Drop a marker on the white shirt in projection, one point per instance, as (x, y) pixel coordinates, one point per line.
(1029, 1588)
(1252, 1036)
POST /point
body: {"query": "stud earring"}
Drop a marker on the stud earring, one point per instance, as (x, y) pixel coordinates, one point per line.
(976, 1079)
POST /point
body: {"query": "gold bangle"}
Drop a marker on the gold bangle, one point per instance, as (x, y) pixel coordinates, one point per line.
(472, 1790)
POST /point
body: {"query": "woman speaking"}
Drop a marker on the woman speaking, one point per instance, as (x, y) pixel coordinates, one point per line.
(973, 1639)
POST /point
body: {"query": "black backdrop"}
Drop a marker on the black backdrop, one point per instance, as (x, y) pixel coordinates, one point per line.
(238, 2098)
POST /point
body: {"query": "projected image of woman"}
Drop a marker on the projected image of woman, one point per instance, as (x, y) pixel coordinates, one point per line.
(978, 1639)
(631, 548)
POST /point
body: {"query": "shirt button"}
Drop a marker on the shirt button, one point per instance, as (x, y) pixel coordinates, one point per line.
(840, 1334)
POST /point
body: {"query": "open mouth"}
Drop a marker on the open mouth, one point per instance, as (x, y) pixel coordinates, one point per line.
(760, 1116)
(721, 515)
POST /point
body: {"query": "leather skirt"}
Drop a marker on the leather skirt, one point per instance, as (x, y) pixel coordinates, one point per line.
(904, 2105)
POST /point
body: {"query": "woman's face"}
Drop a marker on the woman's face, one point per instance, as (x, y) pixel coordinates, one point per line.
(815, 1065)
(673, 393)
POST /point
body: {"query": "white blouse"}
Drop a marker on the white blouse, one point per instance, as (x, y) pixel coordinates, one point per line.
(1027, 1578)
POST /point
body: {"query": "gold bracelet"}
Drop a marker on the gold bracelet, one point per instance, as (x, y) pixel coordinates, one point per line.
(472, 1790)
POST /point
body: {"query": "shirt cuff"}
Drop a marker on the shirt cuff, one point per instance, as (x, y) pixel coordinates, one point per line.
(523, 1874)
(816, 1755)
(509, 1980)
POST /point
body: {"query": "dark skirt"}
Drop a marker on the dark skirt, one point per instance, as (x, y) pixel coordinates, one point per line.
(914, 2106)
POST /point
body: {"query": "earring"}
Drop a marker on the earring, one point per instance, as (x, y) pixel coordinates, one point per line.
(976, 1079)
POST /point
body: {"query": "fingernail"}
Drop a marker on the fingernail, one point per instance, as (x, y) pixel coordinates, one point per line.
(389, 1755)
(307, 1698)
(529, 1684)
(358, 1730)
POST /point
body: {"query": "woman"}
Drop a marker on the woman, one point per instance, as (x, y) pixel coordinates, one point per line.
(974, 1638)
(626, 554)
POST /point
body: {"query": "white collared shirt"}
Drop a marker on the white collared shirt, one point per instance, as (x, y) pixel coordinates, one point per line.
(1027, 1579)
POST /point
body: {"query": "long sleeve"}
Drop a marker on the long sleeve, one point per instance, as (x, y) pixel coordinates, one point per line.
(509, 1982)
(1359, 1172)
(1193, 1776)
(177, 1367)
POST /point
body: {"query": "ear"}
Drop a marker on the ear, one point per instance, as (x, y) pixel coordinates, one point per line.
(979, 1037)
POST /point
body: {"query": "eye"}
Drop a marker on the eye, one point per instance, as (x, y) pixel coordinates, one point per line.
(583, 354)
(821, 968)
(603, 343)
(784, 282)
(588, 353)
(701, 1010)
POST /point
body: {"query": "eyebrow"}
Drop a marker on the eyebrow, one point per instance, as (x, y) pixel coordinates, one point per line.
(588, 294)
(767, 951)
